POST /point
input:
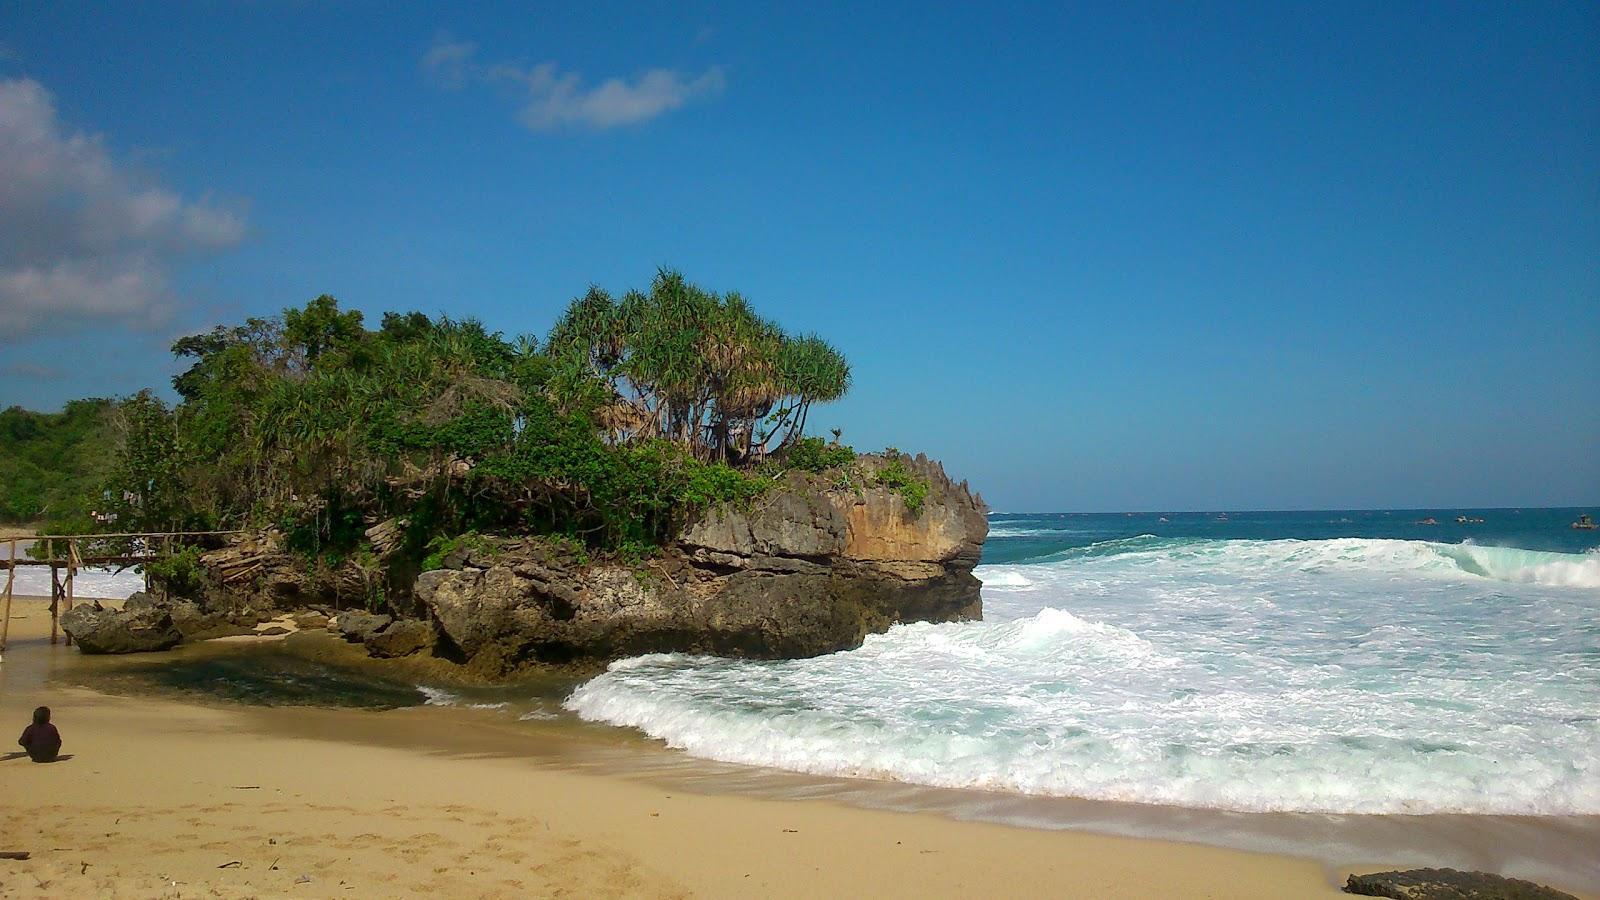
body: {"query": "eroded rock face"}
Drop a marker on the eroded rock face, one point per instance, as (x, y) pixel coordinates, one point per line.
(256, 577)
(144, 629)
(1449, 884)
(809, 568)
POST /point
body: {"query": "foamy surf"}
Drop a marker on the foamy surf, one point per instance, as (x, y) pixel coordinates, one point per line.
(96, 582)
(1335, 676)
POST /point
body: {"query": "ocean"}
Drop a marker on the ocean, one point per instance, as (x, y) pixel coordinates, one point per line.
(1323, 662)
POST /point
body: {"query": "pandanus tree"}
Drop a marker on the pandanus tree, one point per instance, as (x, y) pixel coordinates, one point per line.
(689, 365)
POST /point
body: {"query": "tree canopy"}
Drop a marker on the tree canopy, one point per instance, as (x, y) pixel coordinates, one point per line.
(689, 365)
(631, 415)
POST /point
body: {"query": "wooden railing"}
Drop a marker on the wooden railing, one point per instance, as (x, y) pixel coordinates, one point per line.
(144, 547)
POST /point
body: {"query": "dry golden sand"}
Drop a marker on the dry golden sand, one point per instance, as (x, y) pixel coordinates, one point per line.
(165, 799)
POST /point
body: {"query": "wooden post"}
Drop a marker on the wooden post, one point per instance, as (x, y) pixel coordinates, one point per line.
(55, 602)
(72, 570)
(11, 577)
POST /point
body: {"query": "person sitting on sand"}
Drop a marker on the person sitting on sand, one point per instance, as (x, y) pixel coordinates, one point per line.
(41, 739)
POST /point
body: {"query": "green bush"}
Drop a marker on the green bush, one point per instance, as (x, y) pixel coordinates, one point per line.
(895, 474)
(178, 573)
(813, 454)
(472, 542)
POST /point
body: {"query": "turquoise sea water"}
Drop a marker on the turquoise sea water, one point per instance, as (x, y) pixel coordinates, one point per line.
(1024, 536)
(1341, 661)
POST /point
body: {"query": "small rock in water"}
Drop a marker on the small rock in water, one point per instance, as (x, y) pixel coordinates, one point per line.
(1449, 884)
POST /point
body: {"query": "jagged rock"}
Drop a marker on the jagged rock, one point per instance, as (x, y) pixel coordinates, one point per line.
(143, 629)
(403, 638)
(359, 627)
(808, 568)
(1449, 884)
(273, 631)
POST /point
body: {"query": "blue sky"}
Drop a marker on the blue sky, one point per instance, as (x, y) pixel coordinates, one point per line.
(1102, 257)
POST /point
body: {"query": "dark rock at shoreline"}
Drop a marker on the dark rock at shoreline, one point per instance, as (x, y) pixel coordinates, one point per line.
(1449, 884)
(402, 638)
(359, 627)
(144, 629)
(807, 569)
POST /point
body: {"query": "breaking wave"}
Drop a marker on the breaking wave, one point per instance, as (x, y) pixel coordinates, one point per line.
(1337, 676)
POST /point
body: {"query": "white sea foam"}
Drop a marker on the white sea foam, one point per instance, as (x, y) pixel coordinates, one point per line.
(437, 696)
(1006, 578)
(98, 582)
(1344, 675)
(1002, 530)
(434, 696)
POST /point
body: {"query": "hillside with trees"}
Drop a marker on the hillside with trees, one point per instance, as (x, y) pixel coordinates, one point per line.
(53, 465)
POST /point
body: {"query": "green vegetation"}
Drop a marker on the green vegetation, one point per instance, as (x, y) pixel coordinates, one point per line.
(812, 455)
(895, 474)
(471, 542)
(609, 436)
(694, 367)
(178, 573)
(52, 464)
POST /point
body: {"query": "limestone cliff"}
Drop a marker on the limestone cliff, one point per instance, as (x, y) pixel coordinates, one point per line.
(811, 567)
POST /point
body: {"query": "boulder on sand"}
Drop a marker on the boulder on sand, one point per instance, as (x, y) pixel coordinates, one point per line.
(143, 629)
(1449, 884)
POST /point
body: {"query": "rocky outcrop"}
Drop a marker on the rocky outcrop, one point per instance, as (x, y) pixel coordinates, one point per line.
(144, 629)
(811, 567)
(1449, 884)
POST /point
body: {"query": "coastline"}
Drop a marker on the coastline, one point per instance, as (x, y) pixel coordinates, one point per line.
(158, 795)
(443, 799)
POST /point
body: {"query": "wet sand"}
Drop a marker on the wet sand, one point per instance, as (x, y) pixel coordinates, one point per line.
(165, 797)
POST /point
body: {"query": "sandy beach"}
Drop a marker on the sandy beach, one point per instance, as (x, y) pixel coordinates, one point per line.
(162, 798)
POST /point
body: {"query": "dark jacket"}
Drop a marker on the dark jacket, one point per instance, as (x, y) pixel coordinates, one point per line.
(42, 741)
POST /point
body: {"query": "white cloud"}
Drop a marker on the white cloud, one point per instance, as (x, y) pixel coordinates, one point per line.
(34, 371)
(449, 61)
(83, 238)
(551, 99)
